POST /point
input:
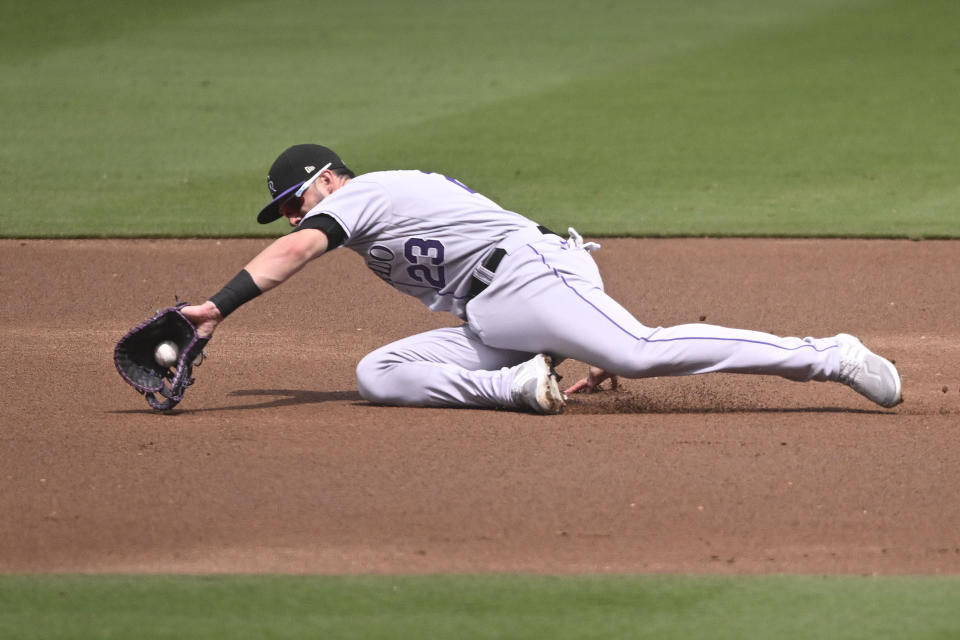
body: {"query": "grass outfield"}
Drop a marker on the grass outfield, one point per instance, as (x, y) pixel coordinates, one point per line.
(662, 607)
(653, 117)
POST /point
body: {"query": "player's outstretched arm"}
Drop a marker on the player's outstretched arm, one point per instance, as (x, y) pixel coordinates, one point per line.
(285, 256)
(592, 382)
(270, 268)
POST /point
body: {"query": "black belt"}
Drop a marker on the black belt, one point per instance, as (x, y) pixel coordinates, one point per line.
(491, 263)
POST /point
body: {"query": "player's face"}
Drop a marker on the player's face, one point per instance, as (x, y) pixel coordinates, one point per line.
(295, 207)
(292, 209)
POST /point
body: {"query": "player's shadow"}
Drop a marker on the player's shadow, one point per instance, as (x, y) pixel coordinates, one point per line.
(640, 404)
(289, 397)
(680, 410)
(277, 398)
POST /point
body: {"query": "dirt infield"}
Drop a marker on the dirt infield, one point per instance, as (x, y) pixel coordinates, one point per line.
(274, 463)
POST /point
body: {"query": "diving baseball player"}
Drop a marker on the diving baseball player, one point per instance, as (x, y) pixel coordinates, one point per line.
(528, 297)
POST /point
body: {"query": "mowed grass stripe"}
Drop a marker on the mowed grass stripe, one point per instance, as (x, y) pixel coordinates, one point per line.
(662, 607)
(656, 118)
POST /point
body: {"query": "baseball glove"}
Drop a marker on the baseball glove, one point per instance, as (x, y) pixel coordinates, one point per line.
(134, 357)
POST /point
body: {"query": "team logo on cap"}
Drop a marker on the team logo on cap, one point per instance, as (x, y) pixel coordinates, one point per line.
(273, 189)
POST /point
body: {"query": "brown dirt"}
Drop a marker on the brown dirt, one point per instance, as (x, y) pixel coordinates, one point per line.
(273, 463)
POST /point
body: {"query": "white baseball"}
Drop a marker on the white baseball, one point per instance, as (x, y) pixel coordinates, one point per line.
(166, 353)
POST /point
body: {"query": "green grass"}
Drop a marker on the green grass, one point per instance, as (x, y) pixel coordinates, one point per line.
(662, 607)
(653, 117)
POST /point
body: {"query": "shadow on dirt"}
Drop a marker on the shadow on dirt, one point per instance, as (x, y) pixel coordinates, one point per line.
(629, 403)
(605, 404)
(277, 398)
(676, 410)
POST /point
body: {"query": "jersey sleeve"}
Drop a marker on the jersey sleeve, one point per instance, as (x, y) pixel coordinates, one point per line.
(330, 227)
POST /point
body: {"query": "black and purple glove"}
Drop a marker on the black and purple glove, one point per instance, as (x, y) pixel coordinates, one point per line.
(143, 368)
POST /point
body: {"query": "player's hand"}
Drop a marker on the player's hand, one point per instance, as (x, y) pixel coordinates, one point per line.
(205, 317)
(592, 382)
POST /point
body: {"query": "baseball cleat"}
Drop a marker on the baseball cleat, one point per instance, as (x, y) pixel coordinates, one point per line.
(535, 387)
(867, 373)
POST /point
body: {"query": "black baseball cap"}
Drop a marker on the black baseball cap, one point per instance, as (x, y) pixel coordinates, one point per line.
(290, 170)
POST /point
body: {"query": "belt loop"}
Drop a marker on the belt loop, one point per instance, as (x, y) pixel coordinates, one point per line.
(483, 275)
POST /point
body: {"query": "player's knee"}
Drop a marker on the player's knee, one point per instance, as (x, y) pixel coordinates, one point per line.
(366, 377)
(371, 372)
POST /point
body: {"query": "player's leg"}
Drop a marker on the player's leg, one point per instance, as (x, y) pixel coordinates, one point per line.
(596, 329)
(639, 351)
(551, 299)
(448, 367)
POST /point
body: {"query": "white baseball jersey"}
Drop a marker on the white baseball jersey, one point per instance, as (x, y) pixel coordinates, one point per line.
(426, 235)
(422, 233)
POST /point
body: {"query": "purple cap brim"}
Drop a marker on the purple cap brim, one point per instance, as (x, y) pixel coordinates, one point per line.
(271, 212)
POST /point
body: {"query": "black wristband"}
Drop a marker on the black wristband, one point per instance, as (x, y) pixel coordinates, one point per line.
(238, 291)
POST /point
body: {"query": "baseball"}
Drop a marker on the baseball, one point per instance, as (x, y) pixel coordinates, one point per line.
(166, 353)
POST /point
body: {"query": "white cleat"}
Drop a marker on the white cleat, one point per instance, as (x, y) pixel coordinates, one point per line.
(535, 387)
(867, 373)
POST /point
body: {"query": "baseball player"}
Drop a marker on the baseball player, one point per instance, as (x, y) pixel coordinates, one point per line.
(527, 296)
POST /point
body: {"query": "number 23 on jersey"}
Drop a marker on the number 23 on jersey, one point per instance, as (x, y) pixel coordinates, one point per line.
(426, 261)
